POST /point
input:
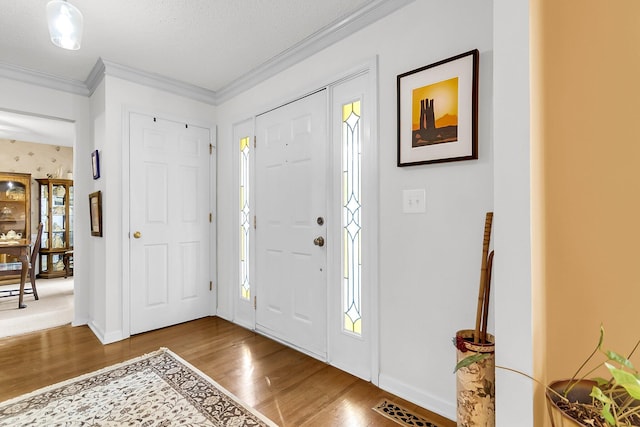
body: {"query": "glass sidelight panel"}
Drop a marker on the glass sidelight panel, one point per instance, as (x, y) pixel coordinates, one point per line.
(351, 216)
(245, 219)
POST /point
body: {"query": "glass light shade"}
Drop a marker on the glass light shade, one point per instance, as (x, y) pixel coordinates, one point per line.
(65, 24)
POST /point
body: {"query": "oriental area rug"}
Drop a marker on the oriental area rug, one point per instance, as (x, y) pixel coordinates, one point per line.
(157, 389)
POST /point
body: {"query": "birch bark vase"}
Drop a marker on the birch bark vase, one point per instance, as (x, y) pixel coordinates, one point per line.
(475, 384)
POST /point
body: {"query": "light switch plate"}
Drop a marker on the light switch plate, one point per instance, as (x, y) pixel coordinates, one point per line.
(414, 201)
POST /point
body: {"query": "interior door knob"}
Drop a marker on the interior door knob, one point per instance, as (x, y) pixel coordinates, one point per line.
(318, 241)
(137, 235)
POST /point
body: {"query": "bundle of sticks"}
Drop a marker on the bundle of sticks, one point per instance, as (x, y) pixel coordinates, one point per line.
(482, 312)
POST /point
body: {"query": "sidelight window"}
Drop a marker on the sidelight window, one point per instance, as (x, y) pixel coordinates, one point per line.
(245, 221)
(351, 218)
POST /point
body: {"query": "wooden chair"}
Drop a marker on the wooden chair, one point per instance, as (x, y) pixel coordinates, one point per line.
(31, 272)
(67, 260)
(33, 261)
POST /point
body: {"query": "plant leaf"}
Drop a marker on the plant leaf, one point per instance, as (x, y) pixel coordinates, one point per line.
(613, 356)
(600, 380)
(596, 393)
(627, 380)
(607, 415)
(470, 360)
(601, 337)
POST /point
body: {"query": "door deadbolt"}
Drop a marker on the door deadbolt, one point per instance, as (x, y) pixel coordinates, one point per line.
(137, 235)
(320, 220)
(318, 241)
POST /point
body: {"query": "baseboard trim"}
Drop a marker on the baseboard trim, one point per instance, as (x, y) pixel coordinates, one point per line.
(79, 321)
(105, 338)
(425, 400)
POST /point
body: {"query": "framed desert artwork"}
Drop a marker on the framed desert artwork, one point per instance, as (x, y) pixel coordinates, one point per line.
(438, 111)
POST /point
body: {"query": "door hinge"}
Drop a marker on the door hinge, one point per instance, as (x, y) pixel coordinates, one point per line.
(210, 217)
(254, 141)
(254, 222)
(210, 148)
(210, 285)
(255, 303)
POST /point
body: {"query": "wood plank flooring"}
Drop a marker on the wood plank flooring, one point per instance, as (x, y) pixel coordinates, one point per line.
(287, 386)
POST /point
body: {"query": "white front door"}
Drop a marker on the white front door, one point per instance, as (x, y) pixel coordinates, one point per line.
(291, 207)
(169, 222)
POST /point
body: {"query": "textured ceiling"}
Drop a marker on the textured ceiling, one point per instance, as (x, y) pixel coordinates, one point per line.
(220, 46)
(207, 43)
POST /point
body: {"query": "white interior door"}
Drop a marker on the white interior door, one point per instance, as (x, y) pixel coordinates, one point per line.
(290, 162)
(169, 222)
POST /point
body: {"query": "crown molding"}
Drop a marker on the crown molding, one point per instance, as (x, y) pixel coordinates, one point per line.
(38, 78)
(95, 76)
(311, 45)
(104, 67)
(325, 37)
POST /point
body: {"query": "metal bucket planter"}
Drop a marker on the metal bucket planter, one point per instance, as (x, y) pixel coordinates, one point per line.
(475, 384)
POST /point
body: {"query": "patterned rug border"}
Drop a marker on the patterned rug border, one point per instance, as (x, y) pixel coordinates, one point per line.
(160, 351)
(219, 387)
(416, 420)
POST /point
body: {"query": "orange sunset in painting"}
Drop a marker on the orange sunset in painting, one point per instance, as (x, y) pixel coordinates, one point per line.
(434, 113)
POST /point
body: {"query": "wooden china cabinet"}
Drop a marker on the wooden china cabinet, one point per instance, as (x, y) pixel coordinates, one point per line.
(56, 215)
(15, 218)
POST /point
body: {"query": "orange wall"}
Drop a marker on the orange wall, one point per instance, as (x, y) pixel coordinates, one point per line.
(585, 178)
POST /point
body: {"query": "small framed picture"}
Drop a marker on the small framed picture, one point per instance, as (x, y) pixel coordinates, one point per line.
(438, 111)
(95, 164)
(95, 210)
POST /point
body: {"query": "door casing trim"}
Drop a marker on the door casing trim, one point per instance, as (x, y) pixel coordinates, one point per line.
(369, 67)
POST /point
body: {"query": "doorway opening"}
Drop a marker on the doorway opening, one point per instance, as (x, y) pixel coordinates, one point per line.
(41, 149)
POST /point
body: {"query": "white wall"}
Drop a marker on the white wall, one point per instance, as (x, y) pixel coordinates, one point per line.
(429, 263)
(97, 291)
(28, 98)
(112, 105)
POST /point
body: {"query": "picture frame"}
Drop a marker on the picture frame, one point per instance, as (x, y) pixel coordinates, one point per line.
(438, 111)
(95, 211)
(95, 164)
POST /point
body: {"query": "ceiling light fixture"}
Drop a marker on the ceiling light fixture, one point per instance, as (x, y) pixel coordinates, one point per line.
(65, 24)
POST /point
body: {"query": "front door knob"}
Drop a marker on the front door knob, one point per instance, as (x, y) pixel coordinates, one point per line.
(318, 241)
(137, 235)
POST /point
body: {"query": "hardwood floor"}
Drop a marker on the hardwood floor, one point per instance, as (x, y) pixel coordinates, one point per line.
(287, 386)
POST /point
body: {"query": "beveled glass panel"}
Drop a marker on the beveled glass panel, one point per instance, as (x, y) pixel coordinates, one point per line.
(245, 219)
(351, 218)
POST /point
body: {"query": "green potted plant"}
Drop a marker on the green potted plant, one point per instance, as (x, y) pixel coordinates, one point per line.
(590, 402)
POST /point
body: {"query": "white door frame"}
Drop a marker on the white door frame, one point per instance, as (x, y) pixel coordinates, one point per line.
(370, 176)
(127, 110)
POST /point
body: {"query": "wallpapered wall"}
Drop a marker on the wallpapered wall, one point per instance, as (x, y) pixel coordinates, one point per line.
(40, 160)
